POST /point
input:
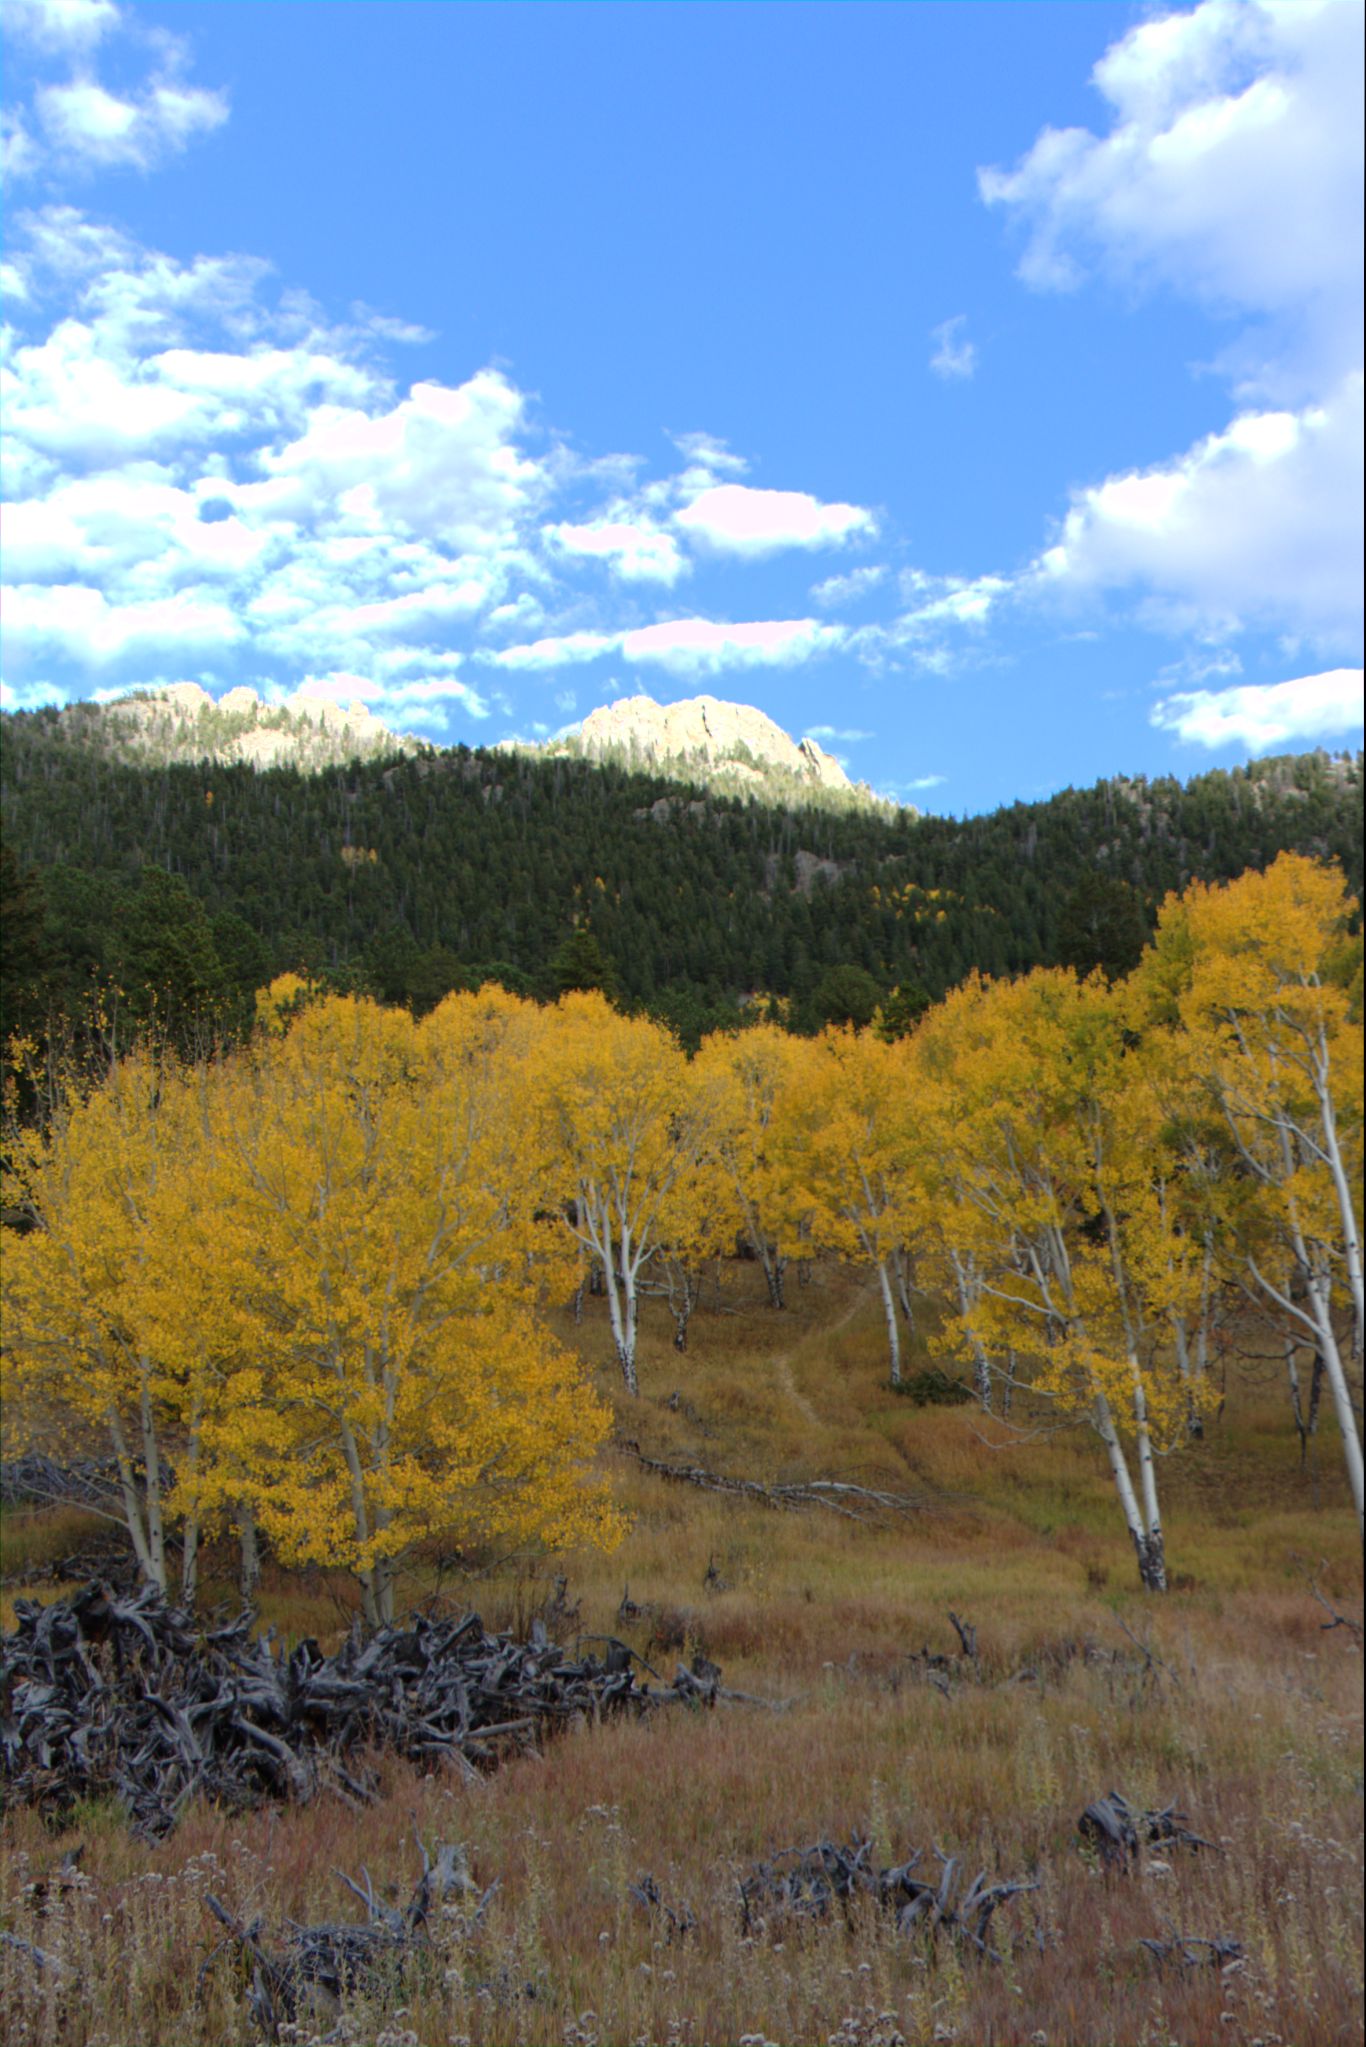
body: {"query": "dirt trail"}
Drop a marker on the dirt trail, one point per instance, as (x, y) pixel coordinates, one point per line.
(782, 1364)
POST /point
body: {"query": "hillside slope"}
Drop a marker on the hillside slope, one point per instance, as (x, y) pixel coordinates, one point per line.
(464, 860)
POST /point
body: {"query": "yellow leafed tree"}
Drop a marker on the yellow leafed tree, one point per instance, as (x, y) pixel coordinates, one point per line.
(379, 1261)
(1248, 999)
(629, 1126)
(848, 1143)
(101, 1331)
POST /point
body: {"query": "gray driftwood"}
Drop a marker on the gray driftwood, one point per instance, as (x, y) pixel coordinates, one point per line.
(811, 1883)
(108, 1693)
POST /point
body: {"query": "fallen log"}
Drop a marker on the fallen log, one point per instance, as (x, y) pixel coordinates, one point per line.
(837, 1496)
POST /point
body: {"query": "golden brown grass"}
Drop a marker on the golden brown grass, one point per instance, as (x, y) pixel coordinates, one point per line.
(1252, 1724)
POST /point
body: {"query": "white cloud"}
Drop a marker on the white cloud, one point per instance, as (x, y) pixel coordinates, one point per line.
(61, 25)
(734, 519)
(78, 621)
(29, 696)
(1233, 170)
(78, 124)
(955, 357)
(705, 451)
(926, 782)
(847, 589)
(637, 552)
(1260, 716)
(704, 646)
(1258, 525)
(685, 645)
(834, 732)
(1231, 173)
(556, 651)
(948, 600)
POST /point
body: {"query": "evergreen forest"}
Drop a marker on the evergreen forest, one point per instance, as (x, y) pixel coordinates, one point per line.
(190, 885)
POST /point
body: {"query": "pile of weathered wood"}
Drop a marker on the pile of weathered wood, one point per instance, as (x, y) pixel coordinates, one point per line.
(107, 1693)
(1119, 1831)
(810, 1883)
(320, 1966)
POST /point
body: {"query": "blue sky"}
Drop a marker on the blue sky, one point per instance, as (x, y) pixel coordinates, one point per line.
(977, 387)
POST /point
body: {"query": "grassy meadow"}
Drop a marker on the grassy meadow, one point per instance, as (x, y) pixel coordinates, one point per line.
(1227, 1697)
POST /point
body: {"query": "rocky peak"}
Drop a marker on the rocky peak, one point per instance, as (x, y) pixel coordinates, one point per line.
(734, 748)
(180, 721)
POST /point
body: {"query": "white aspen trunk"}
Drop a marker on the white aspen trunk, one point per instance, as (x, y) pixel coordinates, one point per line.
(1319, 1315)
(893, 1328)
(1302, 1423)
(361, 1522)
(1320, 1296)
(981, 1364)
(1103, 1423)
(771, 1264)
(1156, 1577)
(1351, 1228)
(156, 1533)
(189, 1560)
(132, 1505)
(250, 1550)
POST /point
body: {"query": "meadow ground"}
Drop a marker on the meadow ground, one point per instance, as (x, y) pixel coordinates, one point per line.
(1227, 1697)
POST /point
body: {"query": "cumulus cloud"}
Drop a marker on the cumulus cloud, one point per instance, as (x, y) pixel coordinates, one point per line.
(76, 123)
(87, 125)
(62, 25)
(955, 357)
(1262, 716)
(634, 550)
(80, 621)
(1260, 524)
(1232, 173)
(705, 451)
(1232, 170)
(732, 518)
(692, 646)
(701, 646)
(200, 462)
(835, 591)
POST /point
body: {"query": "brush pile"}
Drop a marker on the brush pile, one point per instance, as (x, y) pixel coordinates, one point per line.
(320, 1966)
(810, 1883)
(107, 1693)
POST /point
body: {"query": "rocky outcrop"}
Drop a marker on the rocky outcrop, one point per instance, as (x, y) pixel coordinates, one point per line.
(732, 748)
(182, 722)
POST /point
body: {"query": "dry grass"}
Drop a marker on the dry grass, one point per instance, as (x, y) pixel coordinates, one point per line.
(1253, 1726)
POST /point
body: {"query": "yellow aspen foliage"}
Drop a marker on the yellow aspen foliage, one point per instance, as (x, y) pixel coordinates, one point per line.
(629, 1124)
(87, 1342)
(1056, 1171)
(1248, 1001)
(756, 1075)
(847, 1143)
(374, 1232)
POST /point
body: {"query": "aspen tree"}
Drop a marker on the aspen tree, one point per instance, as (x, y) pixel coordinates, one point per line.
(380, 1259)
(113, 1184)
(628, 1125)
(1266, 1061)
(848, 1145)
(1054, 1162)
(758, 1075)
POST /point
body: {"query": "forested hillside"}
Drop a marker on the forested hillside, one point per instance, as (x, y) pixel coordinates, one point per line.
(407, 876)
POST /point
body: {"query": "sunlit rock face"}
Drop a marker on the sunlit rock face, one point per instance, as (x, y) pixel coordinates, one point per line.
(731, 746)
(182, 722)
